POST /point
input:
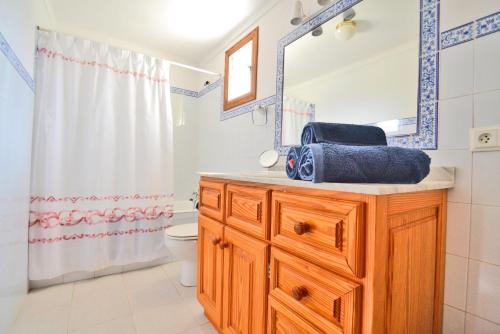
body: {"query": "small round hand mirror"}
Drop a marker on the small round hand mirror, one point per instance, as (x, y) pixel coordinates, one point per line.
(269, 158)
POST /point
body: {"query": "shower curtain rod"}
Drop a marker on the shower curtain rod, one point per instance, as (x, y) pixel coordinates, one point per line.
(189, 67)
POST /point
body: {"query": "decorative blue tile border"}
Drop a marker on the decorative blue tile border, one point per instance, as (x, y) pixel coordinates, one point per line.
(247, 107)
(182, 91)
(467, 32)
(236, 111)
(211, 87)
(426, 136)
(457, 35)
(16, 63)
(488, 25)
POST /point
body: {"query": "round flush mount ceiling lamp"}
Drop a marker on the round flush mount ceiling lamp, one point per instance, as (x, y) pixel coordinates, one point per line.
(345, 30)
(298, 13)
(317, 32)
(323, 2)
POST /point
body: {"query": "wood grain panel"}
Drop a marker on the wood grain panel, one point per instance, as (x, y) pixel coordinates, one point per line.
(245, 284)
(211, 199)
(209, 278)
(412, 272)
(282, 320)
(334, 233)
(247, 209)
(327, 300)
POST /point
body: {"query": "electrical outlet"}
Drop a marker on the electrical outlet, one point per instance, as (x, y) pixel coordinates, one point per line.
(485, 139)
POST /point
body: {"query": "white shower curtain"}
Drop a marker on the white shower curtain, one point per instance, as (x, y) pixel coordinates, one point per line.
(102, 171)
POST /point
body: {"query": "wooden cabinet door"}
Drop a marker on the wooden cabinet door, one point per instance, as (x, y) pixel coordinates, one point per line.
(412, 281)
(210, 257)
(245, 284)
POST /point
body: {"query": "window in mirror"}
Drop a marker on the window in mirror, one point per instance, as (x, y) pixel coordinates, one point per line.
(240, 72)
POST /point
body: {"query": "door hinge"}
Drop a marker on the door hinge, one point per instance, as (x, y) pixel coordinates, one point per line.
(268, 270)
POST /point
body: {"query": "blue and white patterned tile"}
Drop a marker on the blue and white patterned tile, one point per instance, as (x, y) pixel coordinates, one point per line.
(211, 87)
(16, 63)
(247, 107)
(488, 24)
(428, 79)
(182, 91)
(429, 31)
(457, 35)
(424, 4)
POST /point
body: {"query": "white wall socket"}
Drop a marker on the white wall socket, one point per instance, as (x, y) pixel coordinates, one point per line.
(485, 139)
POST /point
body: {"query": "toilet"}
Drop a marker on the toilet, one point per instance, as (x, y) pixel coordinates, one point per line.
(181, 241)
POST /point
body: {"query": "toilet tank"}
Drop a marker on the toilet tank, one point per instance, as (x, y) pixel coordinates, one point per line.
(184, 212)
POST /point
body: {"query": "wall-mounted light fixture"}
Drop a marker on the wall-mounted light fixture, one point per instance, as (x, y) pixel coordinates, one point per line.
(345, 30)
(317, 32)
(298, 13)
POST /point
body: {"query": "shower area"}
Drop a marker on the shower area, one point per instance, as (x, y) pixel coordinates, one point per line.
(114, 158)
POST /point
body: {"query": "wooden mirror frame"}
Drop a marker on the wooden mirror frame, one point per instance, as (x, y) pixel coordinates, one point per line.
(251, 36)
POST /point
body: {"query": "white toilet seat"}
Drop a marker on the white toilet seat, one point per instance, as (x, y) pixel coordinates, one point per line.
(183, 232)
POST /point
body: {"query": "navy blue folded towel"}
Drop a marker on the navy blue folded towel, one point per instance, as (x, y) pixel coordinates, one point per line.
(345, 134)
(362, 164)
(292, 162)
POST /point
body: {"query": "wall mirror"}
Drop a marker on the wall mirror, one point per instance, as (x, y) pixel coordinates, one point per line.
(361, 62)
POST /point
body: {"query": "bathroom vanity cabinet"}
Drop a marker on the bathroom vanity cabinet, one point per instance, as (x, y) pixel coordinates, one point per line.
(302, 258)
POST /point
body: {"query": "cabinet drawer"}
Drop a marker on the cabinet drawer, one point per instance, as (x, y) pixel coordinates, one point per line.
(282, 320)
(211, 202)
(325, 231)
(247, 209)
(326, 300)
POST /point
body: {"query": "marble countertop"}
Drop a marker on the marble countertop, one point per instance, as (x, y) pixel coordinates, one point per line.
(438, 178)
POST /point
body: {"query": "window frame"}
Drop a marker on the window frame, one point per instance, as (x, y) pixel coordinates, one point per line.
(252, 95)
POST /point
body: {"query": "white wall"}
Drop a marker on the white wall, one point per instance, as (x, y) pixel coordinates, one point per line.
(232, 145)
(185, 145)
(470, 96)
(17, 24)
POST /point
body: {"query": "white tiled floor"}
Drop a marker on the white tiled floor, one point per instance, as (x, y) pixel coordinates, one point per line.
(147, 301)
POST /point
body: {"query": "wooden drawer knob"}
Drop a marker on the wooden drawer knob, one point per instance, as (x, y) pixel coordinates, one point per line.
(301, 228)
(215, 241)
(299, 292)
(223, 245)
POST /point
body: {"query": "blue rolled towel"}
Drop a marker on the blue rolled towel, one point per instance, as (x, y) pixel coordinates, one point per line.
(292, 162)
(362, 164)
(345, 134)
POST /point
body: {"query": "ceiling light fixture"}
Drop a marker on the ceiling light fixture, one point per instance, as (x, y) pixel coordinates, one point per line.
(298, 13)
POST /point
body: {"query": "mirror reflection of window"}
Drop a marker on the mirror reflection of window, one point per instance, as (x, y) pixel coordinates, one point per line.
(240, 77)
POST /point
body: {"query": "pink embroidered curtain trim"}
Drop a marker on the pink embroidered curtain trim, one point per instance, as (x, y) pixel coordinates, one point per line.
(54, 54)
(116, 198)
